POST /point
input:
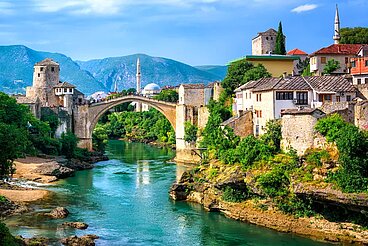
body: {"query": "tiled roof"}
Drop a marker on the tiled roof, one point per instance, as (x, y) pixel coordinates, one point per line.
(339, 49)
(269, 31)
(319, 83)
(193, 86)
(292, 83)
(330, 84)
(271, 57)
(296, 52)
(47, 61)
(64, 85)
(293, 111)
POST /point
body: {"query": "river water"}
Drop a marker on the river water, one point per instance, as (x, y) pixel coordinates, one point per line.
(125, 201)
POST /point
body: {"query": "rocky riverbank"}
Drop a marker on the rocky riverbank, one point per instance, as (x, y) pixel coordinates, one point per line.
(209, 186)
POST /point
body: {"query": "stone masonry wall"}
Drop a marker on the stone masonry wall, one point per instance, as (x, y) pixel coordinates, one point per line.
(361, 115)
(345, 109)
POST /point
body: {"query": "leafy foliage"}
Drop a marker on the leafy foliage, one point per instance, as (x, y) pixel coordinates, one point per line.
(167, 96)
(68, 144)
(302, 65)
(275, 183)
(355, 35)
(7, 239)
(241, 72)
(52, 120)
(100, 138)
(234, 195)
(140, 126)
(331, 66)
(352, 144)
(280, 42)
(272, 137)
(190, 132)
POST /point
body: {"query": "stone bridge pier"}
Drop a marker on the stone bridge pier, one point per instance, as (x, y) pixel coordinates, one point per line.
(87, 116)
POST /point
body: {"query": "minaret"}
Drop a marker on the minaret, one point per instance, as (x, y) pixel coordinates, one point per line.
(138, 105)
(138, 76)
(336, 36)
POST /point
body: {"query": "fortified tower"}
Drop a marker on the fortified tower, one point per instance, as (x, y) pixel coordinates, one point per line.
(45, 78)
(264, 43)
(337, 36)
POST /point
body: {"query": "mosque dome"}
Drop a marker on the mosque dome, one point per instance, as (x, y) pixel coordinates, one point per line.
(152, 87)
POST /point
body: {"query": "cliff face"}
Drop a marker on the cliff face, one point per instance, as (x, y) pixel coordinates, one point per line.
(258, 209)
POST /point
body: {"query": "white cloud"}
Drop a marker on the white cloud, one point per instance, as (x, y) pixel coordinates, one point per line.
(6, 8)
(304, 8)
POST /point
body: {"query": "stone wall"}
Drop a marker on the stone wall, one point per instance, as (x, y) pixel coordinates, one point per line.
(203, 114)
(242, 125)
(298, 132)
(345, 109)
(361, 115)
(363, 89)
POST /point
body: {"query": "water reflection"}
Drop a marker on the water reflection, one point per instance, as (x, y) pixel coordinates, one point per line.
(143, 173)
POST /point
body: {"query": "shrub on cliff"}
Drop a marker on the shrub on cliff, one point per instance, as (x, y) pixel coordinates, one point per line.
(7, 239)
(352, 144)
(68, 144)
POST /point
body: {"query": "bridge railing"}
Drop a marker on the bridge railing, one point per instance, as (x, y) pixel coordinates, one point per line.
(134, 96)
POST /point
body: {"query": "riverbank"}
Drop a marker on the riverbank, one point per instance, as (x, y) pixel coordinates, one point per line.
(214, 185)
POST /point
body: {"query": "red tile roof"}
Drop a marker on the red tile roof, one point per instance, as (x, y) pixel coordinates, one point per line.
(340, 49)
(296, 52)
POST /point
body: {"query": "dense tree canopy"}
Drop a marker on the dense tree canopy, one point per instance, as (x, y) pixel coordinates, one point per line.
(331, 66)
(168, 96)
(280, 42)
(356, 35)
(241, 72)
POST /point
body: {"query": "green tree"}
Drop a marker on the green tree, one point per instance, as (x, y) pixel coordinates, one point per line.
(302, 65)
(280, 42)
(13, 143)
(272, 137)
(306, 71)
(241, 72)
(167, 96)
(355, 35)
(191, 131)
(68, 144)
(331, 66)
(100, 138)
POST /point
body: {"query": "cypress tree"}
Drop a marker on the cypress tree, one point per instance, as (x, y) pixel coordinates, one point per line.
(280, 42)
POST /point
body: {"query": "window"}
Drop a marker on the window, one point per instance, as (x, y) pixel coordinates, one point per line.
(41, 69)
(39, 75)
(346, 60)
(353, 63)
(70, 89)
(65, 90)
(359, 81)
(258, 113)
(302, 98)
(348, 98)
(266, 38)
(246, 95)
(52, 69)
(289, 95)
(338, 99)
(366, 81)
(323, 60)
(271, 38)
(328, 98)
(366, 63)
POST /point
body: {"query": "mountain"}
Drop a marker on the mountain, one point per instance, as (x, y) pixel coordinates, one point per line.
(219, 71)
(16, 73)
(161, 71)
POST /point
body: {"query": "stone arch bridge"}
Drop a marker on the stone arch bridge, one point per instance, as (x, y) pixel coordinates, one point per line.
(87, 116)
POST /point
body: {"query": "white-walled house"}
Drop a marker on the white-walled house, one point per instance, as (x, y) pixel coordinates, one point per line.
(268, 97)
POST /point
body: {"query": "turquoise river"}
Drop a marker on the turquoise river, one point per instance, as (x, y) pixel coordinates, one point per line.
(125, 201)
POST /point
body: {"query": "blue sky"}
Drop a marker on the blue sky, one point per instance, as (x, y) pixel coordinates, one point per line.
(196, 32)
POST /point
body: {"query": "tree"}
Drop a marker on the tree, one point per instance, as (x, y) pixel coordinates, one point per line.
(302, 65)
(100, 138)
(190, 134)
(241, 72)
(167, 96)
(68, 144)
(331, 66)
(280, 42)
(13, 143)
(355, 35)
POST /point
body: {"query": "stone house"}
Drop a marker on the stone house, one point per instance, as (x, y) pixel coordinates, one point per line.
(267, 98)
(264, 42)
(359, 66)
(342, 53)
(298, 128)
(198, 94)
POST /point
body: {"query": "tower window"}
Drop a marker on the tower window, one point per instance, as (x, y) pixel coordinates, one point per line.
(271, 38)
(41, 69)
(266, 38)
(52, 69)
(38, 75)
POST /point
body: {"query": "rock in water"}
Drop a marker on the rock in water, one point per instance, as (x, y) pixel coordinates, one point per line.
(77, 225)
(59, 213)
(87, 240)
(54, 169)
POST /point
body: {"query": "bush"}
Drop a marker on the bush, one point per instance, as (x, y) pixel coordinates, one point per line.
(234, 195)
(274, 183)
(190, 132)
(296, 206)
(316, 157)
(100, 138)
(68, 144)
(331, 126)
(7, 239)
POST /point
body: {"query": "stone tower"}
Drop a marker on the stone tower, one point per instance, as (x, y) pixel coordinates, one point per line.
(45, 78)
(138, 78)
(264, 43)
(337, 36)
